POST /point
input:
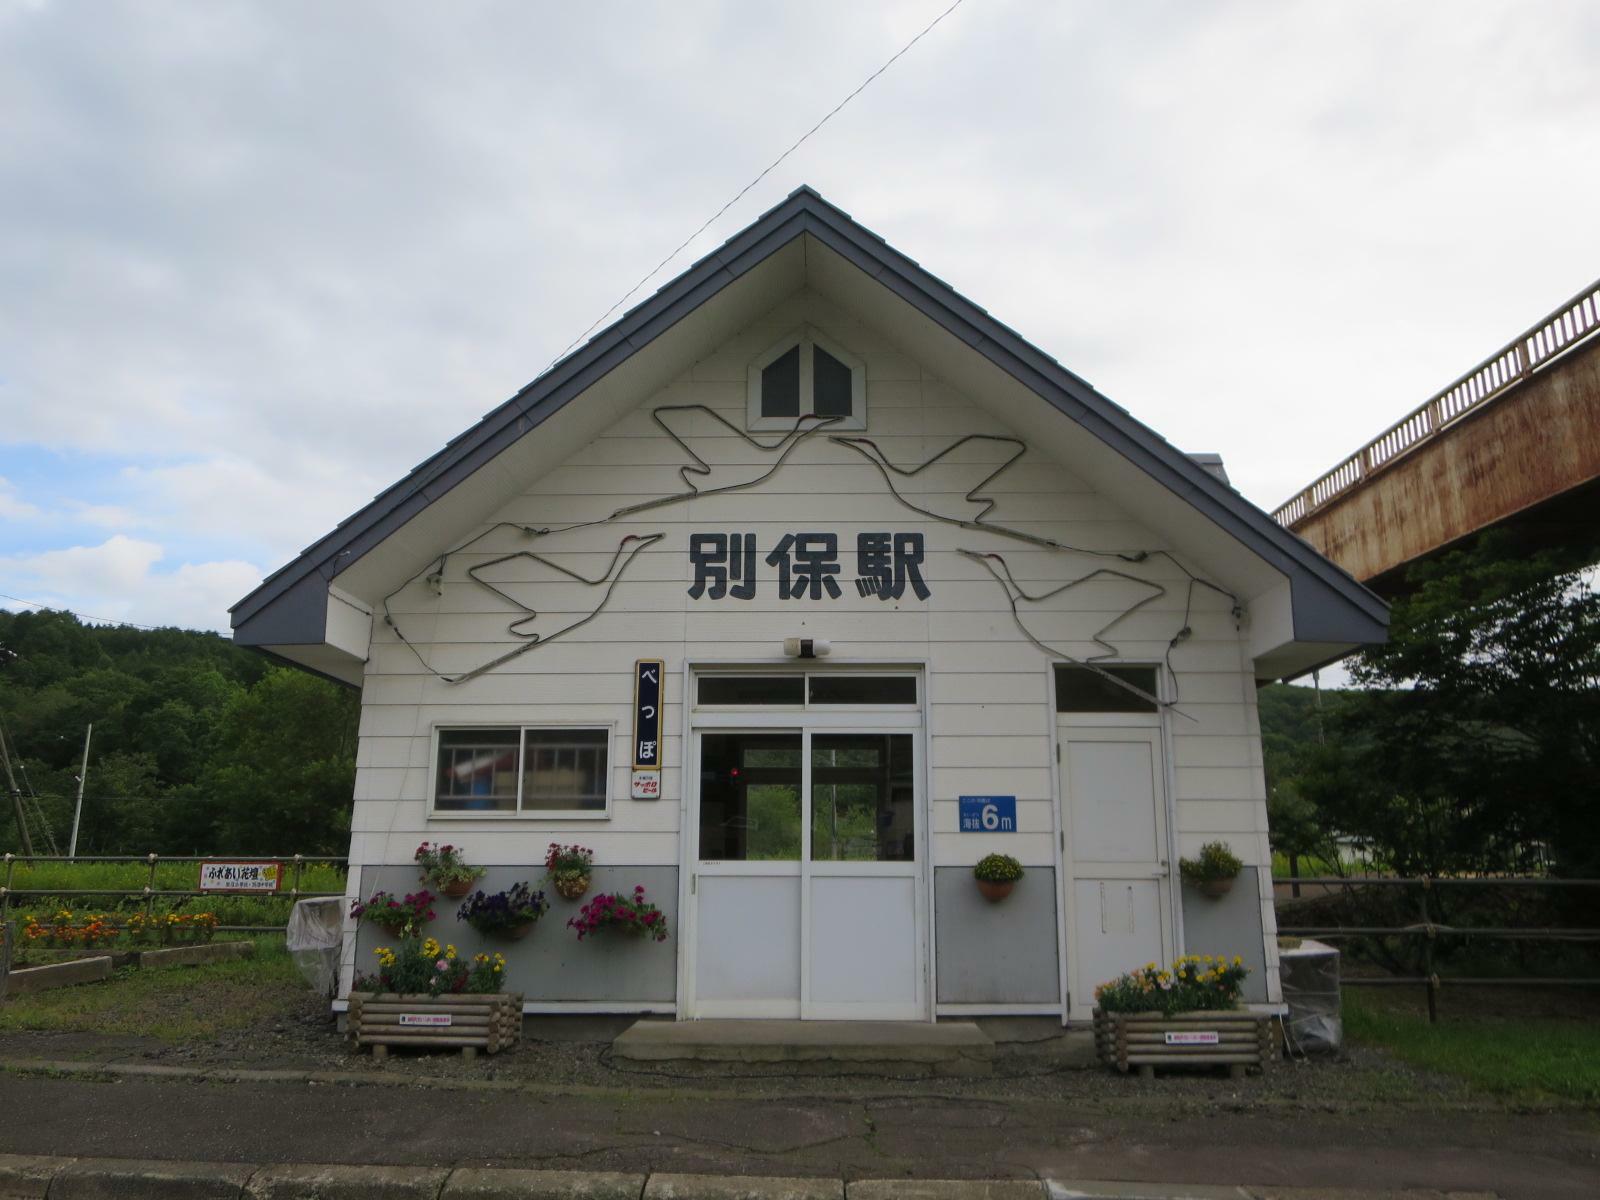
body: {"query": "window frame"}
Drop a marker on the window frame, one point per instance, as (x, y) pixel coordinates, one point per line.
(805, 338)
(1110, 715)
(435, 813)
(807, 705)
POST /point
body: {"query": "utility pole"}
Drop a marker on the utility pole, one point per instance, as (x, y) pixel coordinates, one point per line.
(83, 775)
(16, 798)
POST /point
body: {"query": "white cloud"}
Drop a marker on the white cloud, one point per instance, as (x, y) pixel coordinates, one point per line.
(274, 255)
(12, 506)
(118, 580)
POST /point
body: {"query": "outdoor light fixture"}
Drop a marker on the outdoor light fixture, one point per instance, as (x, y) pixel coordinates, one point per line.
(806, 648)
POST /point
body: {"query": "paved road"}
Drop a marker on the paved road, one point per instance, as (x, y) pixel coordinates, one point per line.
(1517, 1156)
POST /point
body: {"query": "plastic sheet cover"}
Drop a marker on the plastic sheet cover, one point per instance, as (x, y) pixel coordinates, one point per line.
(1310, 974)
(313, 937)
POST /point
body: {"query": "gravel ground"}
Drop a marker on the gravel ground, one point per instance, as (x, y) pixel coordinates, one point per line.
(574, 1053)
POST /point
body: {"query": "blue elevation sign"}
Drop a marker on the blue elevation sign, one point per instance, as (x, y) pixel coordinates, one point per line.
(988, 814)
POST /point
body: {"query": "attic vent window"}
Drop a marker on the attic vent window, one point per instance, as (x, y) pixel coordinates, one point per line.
(807, 374)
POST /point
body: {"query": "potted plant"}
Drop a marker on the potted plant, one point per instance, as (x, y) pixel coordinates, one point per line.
(1185, 1015)
(1213, 873)
(444, 867)
(424, 994)
(510, 914)
(631, 914)
(997, 874)
(401, 918)
(568, 868)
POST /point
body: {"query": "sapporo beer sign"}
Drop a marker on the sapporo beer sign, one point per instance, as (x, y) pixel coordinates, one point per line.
(241, 876)
(646, 780)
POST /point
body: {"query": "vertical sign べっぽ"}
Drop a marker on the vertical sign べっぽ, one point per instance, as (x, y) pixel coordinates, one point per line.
(646, 779)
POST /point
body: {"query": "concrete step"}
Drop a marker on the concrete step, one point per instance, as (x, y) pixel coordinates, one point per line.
(946, 1048)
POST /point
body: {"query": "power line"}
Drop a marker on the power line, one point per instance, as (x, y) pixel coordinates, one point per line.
(803, 138)
(79, 615)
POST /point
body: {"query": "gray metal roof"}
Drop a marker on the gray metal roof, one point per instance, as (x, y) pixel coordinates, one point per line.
(288, 607)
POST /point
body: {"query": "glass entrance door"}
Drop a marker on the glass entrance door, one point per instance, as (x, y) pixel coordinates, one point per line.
(806, 897)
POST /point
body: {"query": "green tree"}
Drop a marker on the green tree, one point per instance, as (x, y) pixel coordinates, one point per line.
(282, 773)
(1476, 743)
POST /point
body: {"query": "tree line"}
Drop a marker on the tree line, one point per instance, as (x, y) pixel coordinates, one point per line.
(1469, 743)
(199, 746)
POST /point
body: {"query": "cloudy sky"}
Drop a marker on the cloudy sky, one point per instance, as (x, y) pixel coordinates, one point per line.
(258, 259)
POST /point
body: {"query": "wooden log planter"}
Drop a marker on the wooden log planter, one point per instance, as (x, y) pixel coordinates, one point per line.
(489, 1022)
(1236, 1039)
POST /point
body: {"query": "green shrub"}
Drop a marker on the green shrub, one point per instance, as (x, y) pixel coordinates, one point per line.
(1216, 862)
(997, 868)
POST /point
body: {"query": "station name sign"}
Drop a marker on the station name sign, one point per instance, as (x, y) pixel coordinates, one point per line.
(250, 876)
(645, 783)
(807, 566)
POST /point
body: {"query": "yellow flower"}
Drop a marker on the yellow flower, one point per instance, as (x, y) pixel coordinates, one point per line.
(430, 948)
(1237, 961)
(450, 952)
(497, 968)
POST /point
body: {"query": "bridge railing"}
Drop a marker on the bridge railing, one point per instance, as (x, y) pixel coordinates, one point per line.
(1531, 352)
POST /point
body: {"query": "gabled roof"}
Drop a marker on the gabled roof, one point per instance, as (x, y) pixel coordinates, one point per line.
(290, 608)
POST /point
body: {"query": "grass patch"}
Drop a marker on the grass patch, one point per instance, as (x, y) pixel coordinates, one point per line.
(172, 1004)
(174, 876)
(1528, 1058)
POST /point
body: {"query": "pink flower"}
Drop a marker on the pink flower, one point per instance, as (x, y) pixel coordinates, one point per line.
(441, 965)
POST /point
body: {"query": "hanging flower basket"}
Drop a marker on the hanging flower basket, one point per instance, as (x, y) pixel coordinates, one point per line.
(510, 914)
(568, 868)
(570, 887)
(996, 876)
(1212, 873)
(628, 913)
(446, 868)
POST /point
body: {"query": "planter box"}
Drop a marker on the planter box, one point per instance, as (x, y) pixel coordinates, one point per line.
(490, 1023)
(1235, 1039)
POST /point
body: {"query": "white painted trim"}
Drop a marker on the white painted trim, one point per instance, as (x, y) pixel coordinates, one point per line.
(832, 716)
(1002, 1010)
(1059, 850)
(519, 814)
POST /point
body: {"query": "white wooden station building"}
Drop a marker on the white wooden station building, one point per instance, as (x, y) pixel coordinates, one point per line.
(1043, 630)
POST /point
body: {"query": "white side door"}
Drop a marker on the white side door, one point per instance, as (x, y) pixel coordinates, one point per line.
(1118, 874)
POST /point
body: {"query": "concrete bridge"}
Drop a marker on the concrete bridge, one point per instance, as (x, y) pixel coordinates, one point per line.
(1515, 441)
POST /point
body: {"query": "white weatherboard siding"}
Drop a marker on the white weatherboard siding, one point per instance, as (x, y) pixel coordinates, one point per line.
(989, 727)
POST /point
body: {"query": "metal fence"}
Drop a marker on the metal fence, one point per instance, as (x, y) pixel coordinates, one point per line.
(1531, 352)
(12, 896)
(1431, 928)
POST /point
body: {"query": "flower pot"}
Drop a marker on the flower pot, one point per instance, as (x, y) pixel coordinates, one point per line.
(996, 892)
(1216, 888)
(570, 887)
(515, 933)
(456, 888)
(490, 1022)
(1234, 1038)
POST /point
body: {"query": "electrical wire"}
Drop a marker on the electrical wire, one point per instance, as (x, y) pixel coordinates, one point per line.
(740, 194)
(79, 615)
